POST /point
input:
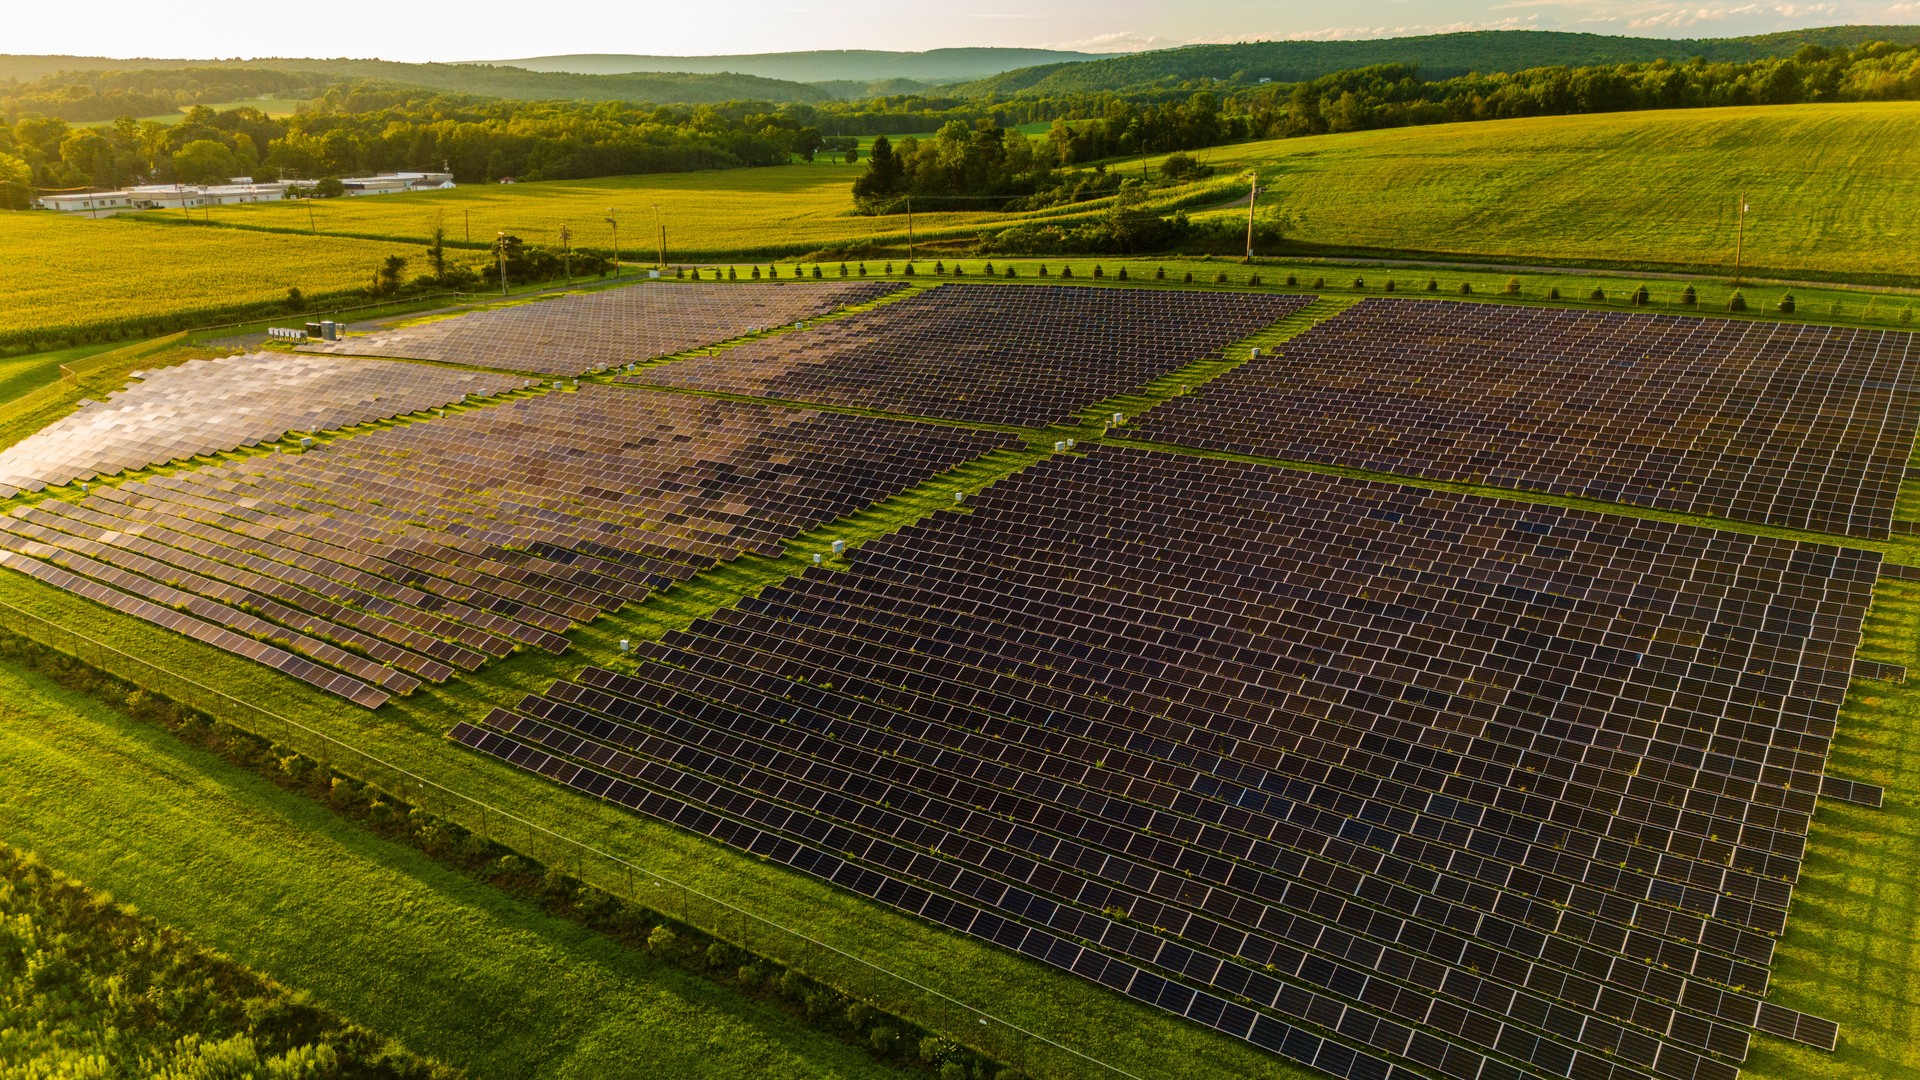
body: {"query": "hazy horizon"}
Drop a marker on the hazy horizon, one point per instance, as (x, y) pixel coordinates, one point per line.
(122, 30)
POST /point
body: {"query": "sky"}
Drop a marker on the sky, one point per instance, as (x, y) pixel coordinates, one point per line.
(499, 29)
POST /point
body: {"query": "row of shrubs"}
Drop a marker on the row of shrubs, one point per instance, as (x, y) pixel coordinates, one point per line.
(91, 988)
(1640, 297)
(866, 1024)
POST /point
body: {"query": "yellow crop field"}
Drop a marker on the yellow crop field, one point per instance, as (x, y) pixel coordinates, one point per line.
(707, 215)
(1832, 189)
(68, 275)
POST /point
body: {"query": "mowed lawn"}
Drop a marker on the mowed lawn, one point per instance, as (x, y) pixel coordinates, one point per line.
(374, 930)
(64, 272)
(1831, 189)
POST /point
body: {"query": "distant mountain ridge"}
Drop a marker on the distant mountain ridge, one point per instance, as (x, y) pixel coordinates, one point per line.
(1437, 56)
(821, 65)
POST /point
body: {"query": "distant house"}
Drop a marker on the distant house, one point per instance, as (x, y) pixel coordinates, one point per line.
(96, 202)
(506, 179)
(237, 189)
(394, 183)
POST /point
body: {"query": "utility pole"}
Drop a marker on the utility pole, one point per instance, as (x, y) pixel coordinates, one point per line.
(1253, 192)
(1740, 240)
(468, 216)
(566, 250)
(616, 242)
(312, 225)
(661, 226)
(500, 250)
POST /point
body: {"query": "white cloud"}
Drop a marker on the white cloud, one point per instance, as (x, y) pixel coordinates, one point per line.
(1120, 41)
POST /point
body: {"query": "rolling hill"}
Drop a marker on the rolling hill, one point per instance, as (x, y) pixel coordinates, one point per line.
(826, 65)
(483, 80)
(1438, 56)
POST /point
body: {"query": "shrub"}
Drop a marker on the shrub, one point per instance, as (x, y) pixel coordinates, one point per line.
(1641, 296)
(1389, 285)
(1906, 314)
(817, 274)
(1098, 272)
(1688, 297)
(1433, 284)
(1253, 280)
(1736, 302)
(988, 270)
(1010, 272)
(1553, 293)
(750, 975)
(721, 955)
(889, 268)
(661, 939)
(953, 1070)
(884, 1041)
(732, 274)
(934, 1049)
(939, 267)
(1189, 278)
(957, 272)
(773, 271)
(1043, 269)
(1160, 273)
(1066, 271)
(1466, 288)
(1359, 283)
(1512, 288)
(296, 300)
(859, 1014)
(1598, 295)
(843, 269)
(756, 273)
(863, 269)
(1319, 283)
(1122, 275)
(1786, 304)
(696, 273)
(1293, 281)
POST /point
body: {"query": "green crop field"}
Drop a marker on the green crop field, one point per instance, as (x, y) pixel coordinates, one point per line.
(1831, 188)
(120, 273)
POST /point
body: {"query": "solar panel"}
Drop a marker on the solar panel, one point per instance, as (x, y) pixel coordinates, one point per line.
(207, 406)
(998, 354)
(411, 553)
(1360, 773)
(1806, 427)
(577, 333)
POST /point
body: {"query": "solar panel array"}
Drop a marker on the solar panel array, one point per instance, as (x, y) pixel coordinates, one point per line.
(1367, 775)
(998, 354)
(207, 406)
(578, 333)
(411, 553)
(1806, 427)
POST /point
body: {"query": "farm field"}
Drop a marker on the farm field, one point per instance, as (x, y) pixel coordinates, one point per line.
(1827, 185)
(374, 930)
(1831, 188)
(136, 275)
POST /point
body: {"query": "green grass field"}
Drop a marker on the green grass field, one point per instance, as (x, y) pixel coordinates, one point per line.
(374, 930)
(1831, 188)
